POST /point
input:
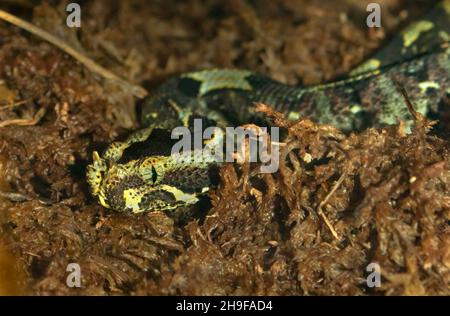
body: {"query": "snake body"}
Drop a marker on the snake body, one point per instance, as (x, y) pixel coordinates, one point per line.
(418, 59)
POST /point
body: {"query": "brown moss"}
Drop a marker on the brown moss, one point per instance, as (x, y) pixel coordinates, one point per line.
(263, 234)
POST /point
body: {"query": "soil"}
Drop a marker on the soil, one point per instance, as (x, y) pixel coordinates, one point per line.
(385, 193)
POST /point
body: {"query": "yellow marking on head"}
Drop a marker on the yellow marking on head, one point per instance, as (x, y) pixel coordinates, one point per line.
(180, 196)
(94, 173)
(221, 79)
(102, 200)
(412, 34)
(425, 85)
(115, 151)
(132, 198)
(96, 156)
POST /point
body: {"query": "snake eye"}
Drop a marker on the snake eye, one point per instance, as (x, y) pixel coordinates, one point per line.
(150, 170)
(154, 174)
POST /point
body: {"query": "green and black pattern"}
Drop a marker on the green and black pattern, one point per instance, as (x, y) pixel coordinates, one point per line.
(417, 59)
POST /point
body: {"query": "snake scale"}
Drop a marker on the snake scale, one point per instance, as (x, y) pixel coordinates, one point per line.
(417, 57)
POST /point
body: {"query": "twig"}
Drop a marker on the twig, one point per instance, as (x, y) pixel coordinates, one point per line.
(137, 91)
(13, 197)
(25, 122)
(418, 117)
(325, 201)
(13, 105)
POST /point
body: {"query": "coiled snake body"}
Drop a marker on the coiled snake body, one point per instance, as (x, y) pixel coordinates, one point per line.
(418, 58)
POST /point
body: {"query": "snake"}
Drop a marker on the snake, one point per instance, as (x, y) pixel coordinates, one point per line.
(128, 177)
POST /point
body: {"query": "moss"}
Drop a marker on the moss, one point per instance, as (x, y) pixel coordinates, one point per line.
(262, 234)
